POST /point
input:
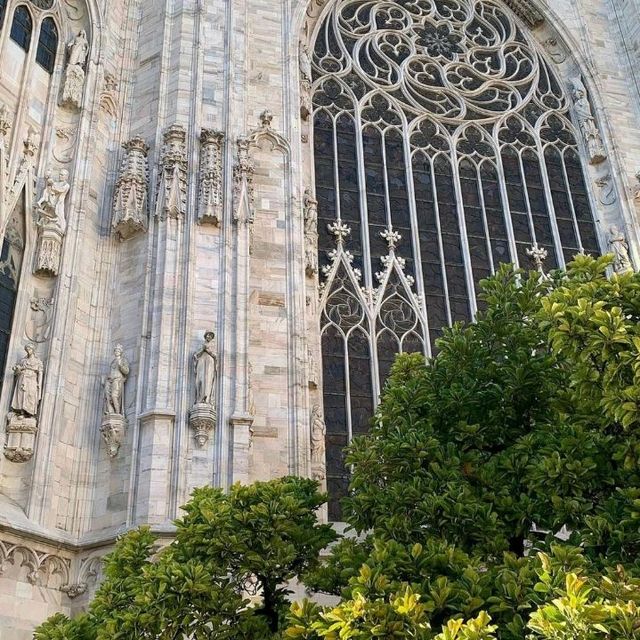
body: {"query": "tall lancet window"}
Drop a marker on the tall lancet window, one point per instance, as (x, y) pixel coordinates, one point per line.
(10, 268)
(443, 147)
(21, 27)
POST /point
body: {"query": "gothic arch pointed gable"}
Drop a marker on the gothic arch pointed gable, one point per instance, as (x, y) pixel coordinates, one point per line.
(441, 121)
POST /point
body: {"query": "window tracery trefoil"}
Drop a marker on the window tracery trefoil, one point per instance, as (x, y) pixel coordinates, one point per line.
(443, 147)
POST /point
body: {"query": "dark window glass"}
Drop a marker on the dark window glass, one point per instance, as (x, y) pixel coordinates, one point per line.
(3, 10)
(438, 182)
(47, 45)
(21, 27)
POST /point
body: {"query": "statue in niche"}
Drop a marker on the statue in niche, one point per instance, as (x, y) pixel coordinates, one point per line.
(318, 432)
(619, 247)
(310, 233)
(114, 384)
(78, 49)
(51, 204)
(22, 422)
(305, 82)
(73, 84)
(587, 124)
(205, 363)
(28, 389)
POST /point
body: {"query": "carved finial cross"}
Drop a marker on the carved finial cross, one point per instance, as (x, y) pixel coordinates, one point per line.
(392, 237)
(340, 230)
(538, 255)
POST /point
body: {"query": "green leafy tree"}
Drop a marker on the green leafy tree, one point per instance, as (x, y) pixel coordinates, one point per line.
(228, 547)
(525, 421)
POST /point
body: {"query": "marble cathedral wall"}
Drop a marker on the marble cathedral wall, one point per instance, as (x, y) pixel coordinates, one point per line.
(189, 182)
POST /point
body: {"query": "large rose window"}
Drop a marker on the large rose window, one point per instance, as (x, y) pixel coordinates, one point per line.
(443, 142)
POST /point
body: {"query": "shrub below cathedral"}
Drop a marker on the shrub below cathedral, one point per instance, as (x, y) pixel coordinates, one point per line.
(502, 477)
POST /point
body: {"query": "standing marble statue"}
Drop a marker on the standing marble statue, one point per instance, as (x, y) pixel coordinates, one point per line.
(318, 432)
(22, 422)
(28, 389)
(78, 49)
(203, 415)
(310, 233)
(73, 83)
(52, 201)
(587, 124)
(205, 364)
(619, 247)
(114, 384)
(305, 82)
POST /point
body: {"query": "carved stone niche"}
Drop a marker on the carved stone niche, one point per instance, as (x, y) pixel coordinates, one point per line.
(113, 429)
(21, 437)
(132, 186)
(49, 250)
(202, 419)
(210, 179)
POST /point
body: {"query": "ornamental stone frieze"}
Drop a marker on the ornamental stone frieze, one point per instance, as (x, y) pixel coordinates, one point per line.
(526, 11)
(210, 178)
(113, 419)
(172, 201)
(131, 192)
(202, 416)
(52, 223)
(22, 420)
(38, 567)
(74, 76)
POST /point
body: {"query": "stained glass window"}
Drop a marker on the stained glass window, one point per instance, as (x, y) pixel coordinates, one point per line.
(443, 147)
(21, 27)
(10, 266)
(47, 45)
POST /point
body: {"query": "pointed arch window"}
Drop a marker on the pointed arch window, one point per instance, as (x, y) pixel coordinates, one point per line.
(10, 267)
(21, 27)
(443, 147)
(47, 45)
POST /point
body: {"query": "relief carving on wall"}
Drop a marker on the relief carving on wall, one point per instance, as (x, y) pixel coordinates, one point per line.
(173, 181)
(113, 419)
(40, 568)
(210, 178)
(73, 83)
(202, 416)
(132, 187)
(22, 419)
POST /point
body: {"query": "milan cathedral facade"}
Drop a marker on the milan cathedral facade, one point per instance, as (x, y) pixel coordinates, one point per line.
(220, 221)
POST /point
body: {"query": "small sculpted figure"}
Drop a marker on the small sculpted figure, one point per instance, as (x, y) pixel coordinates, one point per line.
(52, 201)
(28, 389)
(78, 49)
(114, 384)
(205, 363)
(620, 249)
